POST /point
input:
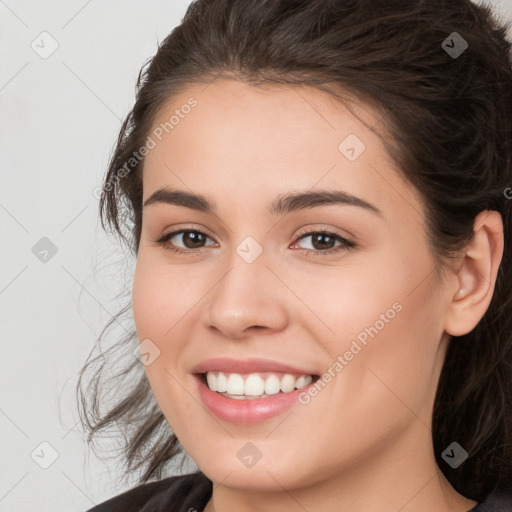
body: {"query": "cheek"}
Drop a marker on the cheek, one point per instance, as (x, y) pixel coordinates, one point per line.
(162, 296)
(157, 310)
(147, 303)
(394, 370)
(360, 294)
(166, 301)
(386, 323)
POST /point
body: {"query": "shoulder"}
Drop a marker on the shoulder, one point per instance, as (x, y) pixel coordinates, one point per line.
(172, 494)
(499, 500)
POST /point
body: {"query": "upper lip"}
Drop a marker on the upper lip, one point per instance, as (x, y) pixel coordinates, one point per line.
(254, 365)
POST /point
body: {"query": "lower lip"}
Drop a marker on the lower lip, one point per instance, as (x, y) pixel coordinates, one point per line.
(247, 411)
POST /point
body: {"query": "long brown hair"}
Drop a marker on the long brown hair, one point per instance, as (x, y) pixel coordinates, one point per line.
(440, 71)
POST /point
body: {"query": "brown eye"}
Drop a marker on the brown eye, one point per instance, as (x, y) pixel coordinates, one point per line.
(185, 240)
(191, 239)
(320, 241)
(324, 242)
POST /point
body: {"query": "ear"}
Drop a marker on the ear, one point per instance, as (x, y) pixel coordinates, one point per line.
(476, 274)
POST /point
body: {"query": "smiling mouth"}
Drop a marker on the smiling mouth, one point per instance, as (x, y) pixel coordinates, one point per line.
(253, 386)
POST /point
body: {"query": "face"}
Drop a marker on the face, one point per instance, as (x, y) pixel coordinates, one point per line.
(337, 288)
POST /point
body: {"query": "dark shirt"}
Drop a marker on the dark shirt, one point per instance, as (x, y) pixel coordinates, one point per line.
(191, 493)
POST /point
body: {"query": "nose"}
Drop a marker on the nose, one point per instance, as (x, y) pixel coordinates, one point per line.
(248, 298)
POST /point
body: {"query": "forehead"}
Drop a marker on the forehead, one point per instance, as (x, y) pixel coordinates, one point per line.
(272, 113)
(238, 138)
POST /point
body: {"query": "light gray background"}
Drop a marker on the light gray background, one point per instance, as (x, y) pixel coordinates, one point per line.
(59, 118)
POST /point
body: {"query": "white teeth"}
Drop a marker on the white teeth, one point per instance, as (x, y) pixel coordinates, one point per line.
(303, 381)
(212, 381)
(254, 384)
(235, 384)
(222, 382)
(288, 383)
(272, 385)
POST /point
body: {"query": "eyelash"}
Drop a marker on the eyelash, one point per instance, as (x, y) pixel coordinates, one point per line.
(346, 244)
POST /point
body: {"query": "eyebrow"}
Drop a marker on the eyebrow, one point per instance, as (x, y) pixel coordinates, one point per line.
(285, 203)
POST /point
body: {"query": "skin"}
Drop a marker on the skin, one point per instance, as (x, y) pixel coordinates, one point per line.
(365, 441)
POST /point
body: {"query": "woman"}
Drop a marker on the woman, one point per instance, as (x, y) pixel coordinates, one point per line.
(318, 198)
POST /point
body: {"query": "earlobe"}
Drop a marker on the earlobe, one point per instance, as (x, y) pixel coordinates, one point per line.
(476, 274)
